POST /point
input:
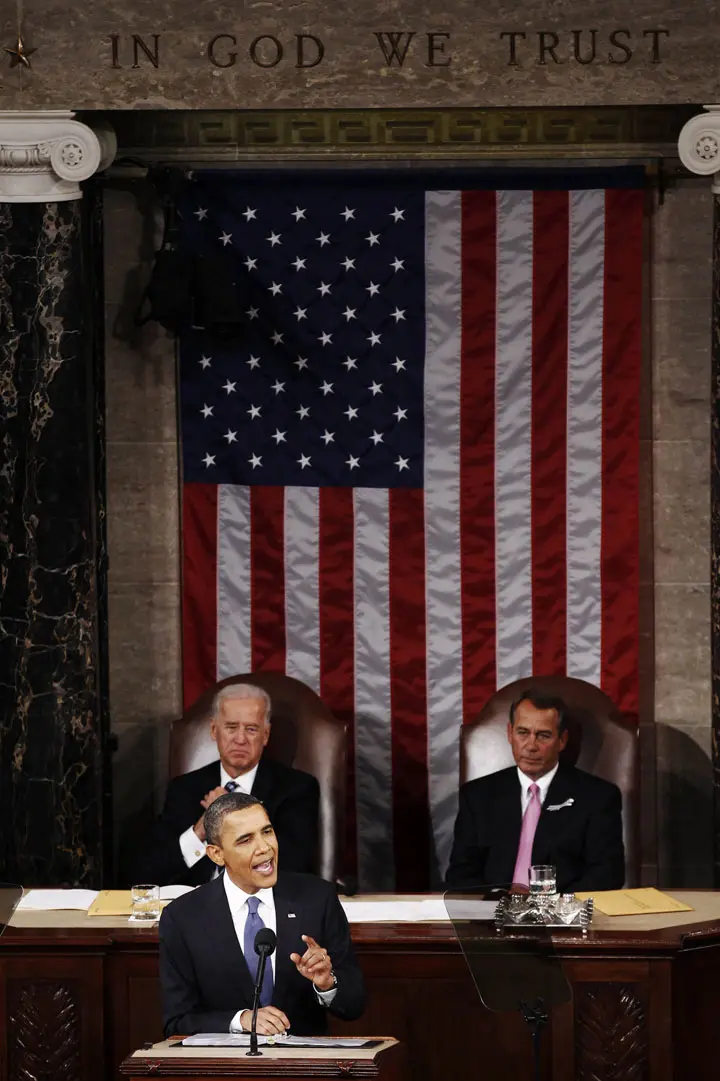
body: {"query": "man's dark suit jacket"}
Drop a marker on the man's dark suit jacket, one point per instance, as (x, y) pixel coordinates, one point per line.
(291, 799)
(203, 974)
(583, 841)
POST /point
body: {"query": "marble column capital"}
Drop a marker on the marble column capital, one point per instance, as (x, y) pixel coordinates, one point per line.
(699, 145)
(45, 156)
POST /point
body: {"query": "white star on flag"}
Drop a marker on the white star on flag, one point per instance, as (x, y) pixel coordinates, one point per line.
(303, 461)
(303, 412)
(207, 411)
(200, 213)
(374, 338)
(301, 363)
(398, 215)
(353, 462)
(226, 238)
(230, 436)
(275, 288)
(402, 463)
(349, 264)
(254, 411)
(229, 387)
(209, 460)
(204, 362)
(347, 213)
(398, 264)
(273, 239)
(329, 437)
(249, 214)
(350, 362)
(255, 461)
(351, 412)
(398, 365)
(252, 313)
(326, 388)
(323, 289)
(300, 313)
(349, 313)
(325, 338)
(375, 388)
(276, 337)
(373, 289)
(397, 315)
(323, 239)
(250, 263)
(401, 414)
(254, 362)
(279, 437)
(376, 438)
(298, 214)
(298, 263)
(278, 387)
(373, 239)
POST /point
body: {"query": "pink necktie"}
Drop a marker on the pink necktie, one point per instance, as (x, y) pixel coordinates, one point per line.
(521, 874)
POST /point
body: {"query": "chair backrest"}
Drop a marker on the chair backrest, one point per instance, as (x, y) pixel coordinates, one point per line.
(304, 734)
(600, 741)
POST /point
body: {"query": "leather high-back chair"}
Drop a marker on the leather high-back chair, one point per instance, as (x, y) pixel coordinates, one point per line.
(304, 734)
(599, 742)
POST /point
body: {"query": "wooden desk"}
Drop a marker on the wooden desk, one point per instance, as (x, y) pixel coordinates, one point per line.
(78, 994)
(181, 1064)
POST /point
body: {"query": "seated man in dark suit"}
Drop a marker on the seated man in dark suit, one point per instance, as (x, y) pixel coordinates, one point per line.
(240, 725)
(207, 958)
(540, 812)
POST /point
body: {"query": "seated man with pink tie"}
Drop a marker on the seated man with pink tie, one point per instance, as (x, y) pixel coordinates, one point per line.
(540, 811)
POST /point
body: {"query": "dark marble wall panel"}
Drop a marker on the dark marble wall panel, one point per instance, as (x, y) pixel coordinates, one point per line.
(51, 794)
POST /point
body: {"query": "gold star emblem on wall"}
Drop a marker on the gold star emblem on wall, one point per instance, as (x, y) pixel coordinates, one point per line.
(20, 55)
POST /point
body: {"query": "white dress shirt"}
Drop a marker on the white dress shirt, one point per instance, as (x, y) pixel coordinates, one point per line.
(237, 901)
(192, 848)
(543, 784)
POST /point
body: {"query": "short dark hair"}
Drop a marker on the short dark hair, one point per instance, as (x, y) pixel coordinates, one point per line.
(218, 811)
(542, 701)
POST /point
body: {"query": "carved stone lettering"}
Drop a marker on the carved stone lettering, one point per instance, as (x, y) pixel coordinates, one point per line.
(43, 1031)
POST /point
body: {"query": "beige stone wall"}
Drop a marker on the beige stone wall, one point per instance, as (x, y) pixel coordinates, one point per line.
(143, 531)
(143, 524)
(681, 284)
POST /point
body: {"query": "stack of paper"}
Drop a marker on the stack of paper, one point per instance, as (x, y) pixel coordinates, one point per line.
(119, 902)
(431, 909)
(641, 902)
(242, 1039)
(56, 900)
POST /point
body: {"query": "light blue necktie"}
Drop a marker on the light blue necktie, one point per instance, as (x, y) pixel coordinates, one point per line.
(253, 923)
(232, 786)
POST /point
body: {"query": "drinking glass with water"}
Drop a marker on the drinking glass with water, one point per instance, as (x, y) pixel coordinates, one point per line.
(145, 902)
(542, 881)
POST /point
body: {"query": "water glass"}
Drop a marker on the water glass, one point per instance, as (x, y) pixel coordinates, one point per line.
(145, 902)
(542, 880)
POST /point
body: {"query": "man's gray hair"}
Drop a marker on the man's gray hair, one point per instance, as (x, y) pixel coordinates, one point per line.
(218, 811)
(237, 691)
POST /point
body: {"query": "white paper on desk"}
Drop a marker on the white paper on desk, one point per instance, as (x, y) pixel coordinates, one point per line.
(56, 900)
(171, 893)
(242, 1039)
(431, 909)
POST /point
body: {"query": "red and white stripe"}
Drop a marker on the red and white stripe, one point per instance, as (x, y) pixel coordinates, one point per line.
(406, 609)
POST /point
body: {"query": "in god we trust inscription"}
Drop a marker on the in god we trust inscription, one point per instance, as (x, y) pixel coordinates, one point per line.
(396, 49)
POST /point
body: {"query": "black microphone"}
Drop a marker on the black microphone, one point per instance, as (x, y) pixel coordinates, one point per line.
(265, 943)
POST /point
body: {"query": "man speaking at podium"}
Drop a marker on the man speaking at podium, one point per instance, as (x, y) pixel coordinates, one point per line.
(208, 961)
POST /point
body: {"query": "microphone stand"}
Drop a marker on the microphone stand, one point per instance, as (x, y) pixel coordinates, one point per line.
(253, 1052)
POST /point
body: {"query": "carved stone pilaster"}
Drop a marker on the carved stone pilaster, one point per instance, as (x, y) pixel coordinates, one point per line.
(699, 150)
(44, 156)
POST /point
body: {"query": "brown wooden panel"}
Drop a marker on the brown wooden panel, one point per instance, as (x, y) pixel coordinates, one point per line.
(53, 1018)
(133, 988)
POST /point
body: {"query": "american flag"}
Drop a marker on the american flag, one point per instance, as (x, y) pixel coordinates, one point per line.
(413, 475)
